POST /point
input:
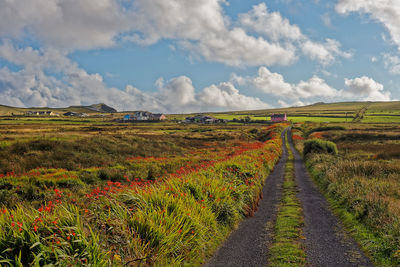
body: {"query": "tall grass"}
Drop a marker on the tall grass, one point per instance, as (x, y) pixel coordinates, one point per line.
(366, 193)
(179, 220)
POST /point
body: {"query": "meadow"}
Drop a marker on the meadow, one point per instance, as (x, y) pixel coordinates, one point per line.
(106, 194)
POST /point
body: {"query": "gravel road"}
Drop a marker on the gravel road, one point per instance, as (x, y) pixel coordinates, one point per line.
(326, 243)
(247, 246)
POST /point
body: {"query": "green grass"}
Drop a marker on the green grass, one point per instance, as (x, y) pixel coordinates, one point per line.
(381, 119)
(317, 119)
(287, 249)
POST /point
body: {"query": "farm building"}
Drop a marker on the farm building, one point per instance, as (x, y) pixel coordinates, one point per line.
(144, 116)
(158, 117)
(75, 114)
(278, 117)
(202, 119)
(40, 113)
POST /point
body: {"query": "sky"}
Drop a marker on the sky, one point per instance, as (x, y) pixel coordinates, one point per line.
(181, 56)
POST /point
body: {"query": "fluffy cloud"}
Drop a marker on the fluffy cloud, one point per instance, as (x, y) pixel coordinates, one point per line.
(201, 28)
(32, 86)
(274, 27)
(226, 95)
(392, 63)
(367, 88)
(385, 11)
(273, 83)
(198, 26)
(270, 24)
(65, 24)
(315, 87)
(311, 90)
(324, 52)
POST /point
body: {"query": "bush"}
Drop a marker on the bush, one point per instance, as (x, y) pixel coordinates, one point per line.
(319, 146)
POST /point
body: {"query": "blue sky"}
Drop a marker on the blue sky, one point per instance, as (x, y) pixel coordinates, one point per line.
(198, 55)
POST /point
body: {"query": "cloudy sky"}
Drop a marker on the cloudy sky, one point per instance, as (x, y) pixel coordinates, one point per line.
(178, 56)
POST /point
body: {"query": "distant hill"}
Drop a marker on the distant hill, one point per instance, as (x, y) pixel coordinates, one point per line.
(95, 108)
(323, 108)
(101, 107)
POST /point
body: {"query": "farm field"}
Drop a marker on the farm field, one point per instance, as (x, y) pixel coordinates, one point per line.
(368, 112)
(115, 194)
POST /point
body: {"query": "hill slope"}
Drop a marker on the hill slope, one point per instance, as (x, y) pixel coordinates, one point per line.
(95, 108)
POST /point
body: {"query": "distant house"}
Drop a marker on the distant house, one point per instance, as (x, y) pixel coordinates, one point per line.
(278, 117)
(144, 116)
(157, 117)
(40, 113)
(202, 119)
(75, 114)
(141, 116)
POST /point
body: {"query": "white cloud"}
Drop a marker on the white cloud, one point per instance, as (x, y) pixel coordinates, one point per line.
(326, 19)
(237, 48)
(65, 24)
(326, 52)
(367, 88)
(202, 28)
(270, 24)
(385, 11)
(315, 87)
(32, 86)
(276, 28)
(312, 90)
(226, 95)
(392, 63)
(273, 83)
(199, 26)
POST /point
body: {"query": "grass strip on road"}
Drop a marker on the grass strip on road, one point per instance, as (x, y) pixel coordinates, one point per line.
(287, 249)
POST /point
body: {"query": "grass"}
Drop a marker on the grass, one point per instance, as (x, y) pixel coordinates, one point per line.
(316, 119)
(117, 195)
(287, 249)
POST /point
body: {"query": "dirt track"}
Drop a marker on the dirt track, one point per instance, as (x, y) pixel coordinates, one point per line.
(326, 243)
(247, 246)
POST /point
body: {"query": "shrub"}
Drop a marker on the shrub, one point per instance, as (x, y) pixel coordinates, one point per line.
(319, 146)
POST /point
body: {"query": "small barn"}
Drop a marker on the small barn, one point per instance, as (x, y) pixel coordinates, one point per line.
(278, 117)
(157, 117)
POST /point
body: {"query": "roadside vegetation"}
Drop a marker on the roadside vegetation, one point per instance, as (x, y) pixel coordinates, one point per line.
(361, 182)
(287, 248)
(114, 195)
